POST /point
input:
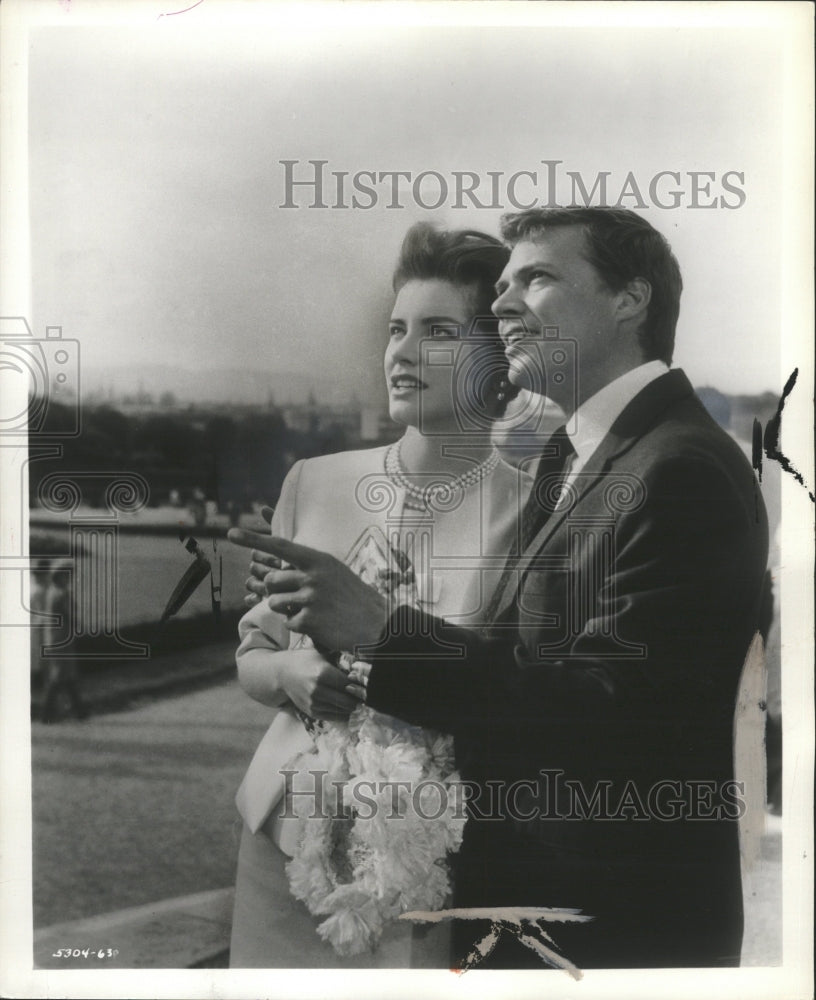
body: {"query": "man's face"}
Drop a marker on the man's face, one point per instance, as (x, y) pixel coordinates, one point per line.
(549, 283)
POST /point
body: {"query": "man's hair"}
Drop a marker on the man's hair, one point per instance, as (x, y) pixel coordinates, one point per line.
(472, 261)
(464, 257)
(621, 246)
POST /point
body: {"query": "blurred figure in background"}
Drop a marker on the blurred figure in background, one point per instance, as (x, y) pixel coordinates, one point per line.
(60, 667)
(40, 575)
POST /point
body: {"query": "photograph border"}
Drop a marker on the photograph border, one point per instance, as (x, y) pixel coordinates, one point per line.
(793, 977)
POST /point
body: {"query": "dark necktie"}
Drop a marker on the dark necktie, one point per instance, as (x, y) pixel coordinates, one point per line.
(542, 501)
(549, 481)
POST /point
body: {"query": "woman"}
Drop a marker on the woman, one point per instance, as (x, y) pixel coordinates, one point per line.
(430, 517)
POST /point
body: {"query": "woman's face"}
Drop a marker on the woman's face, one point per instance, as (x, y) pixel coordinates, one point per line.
(429, 320)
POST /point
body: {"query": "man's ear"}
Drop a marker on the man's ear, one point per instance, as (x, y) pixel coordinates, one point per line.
(633, 300)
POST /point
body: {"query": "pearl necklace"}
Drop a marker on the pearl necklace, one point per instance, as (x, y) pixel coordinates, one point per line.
(423, 497)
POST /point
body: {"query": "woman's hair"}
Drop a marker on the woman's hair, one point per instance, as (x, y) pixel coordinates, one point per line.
(472, 261)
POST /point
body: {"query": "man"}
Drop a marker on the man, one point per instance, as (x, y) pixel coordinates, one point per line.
(596, 706)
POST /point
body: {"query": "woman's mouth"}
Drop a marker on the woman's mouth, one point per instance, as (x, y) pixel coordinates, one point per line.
(406, 384)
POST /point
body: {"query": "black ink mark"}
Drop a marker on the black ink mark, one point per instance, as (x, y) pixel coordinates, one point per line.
(771, 438)
(174, 12)
(756, 448)
(756, 462)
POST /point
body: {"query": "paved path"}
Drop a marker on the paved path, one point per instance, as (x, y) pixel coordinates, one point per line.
(137, 806)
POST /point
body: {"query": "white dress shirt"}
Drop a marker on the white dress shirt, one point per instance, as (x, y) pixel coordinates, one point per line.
(594, 417)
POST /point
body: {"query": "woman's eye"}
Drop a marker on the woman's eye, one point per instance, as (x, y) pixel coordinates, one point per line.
(395, 331)
(445, 331)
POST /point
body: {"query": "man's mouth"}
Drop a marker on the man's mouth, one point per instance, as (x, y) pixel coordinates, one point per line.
(512, 333)
(407, 382)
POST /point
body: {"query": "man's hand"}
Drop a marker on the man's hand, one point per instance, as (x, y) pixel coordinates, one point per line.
(319, 595)
(316, 686)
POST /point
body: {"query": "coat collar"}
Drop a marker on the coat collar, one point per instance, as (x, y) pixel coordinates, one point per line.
(637, 417)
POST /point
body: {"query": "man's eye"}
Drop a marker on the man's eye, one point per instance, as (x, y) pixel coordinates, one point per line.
(447, 331)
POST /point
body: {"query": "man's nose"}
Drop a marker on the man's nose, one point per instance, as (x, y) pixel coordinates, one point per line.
(507, 303)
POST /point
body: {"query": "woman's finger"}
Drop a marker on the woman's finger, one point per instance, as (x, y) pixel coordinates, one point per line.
(255, 586)
(356, 691)
(358, 676)
(270, 561)
(259, 570)
(283, 581)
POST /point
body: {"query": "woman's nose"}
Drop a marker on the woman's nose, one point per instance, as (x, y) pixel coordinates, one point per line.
(407, 348)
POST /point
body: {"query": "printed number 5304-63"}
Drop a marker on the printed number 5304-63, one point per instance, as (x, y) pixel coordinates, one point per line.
(85, 953)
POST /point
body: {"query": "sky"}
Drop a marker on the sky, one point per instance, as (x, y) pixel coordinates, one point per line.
(158, 234)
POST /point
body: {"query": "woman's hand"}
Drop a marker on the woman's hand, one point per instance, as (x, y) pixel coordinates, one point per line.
(316, 686)
(358, 679)
(260, 564)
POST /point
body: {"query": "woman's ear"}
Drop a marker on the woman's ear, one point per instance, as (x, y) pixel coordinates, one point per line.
(633, 301)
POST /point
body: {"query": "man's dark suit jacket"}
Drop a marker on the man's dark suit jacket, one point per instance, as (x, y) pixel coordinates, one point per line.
(613, 669)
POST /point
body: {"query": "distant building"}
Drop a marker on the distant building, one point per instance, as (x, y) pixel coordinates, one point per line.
(717, 404)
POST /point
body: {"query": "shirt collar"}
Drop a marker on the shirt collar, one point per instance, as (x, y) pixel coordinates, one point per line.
(594, 417)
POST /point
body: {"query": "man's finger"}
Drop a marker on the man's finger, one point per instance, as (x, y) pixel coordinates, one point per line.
(300, 556)
(336, 701)
(333, 678)
(331, 716)
(250, 540)
(289, 605)
(266, 514)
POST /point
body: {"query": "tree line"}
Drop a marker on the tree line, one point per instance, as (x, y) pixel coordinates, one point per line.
(231, 458)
